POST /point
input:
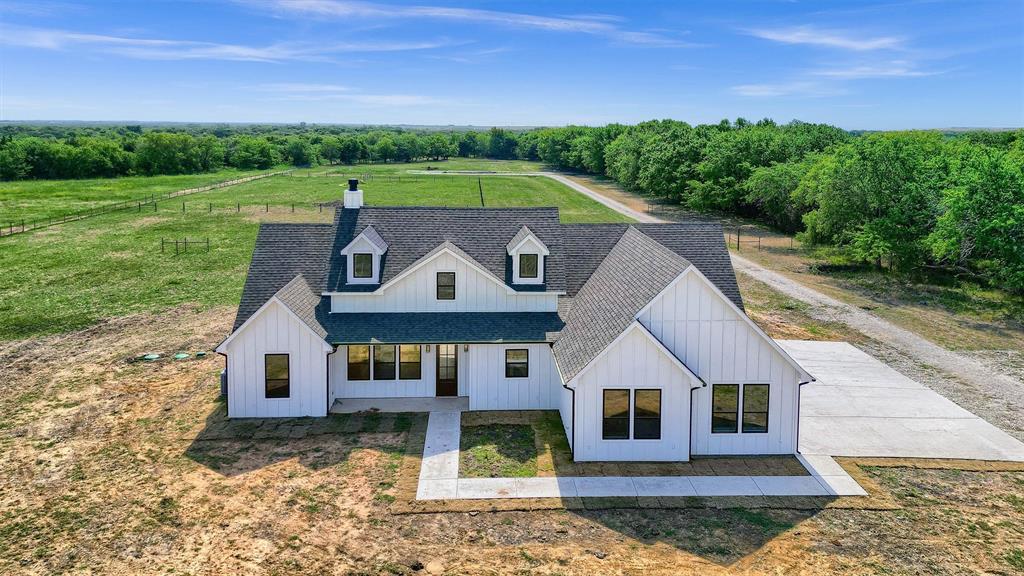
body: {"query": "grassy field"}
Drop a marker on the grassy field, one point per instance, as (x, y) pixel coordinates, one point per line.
(32, 199)
(68, 277)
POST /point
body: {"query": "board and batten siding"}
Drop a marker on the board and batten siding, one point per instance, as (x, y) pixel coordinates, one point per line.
(275, 330)
(417, 292)
(632, 362)
(342, 387)
(697, 324)
(482, 376)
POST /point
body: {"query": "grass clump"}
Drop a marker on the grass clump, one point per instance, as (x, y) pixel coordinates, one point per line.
(498, 451)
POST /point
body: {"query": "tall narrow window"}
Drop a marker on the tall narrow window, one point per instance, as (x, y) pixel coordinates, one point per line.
(647, 415)
(358, 362)
(409, 362)
(528, 265)
(383, 362)
(517, 363)
(755, 408)
(446, 285)
(725, 407)
(362, 265)
(275, 373)
(615, 421)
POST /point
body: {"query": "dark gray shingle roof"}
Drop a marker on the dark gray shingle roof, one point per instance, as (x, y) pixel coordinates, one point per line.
(700, 242)
(300, 298)
(434, 327)
(282, 252)
(412, 232)
(636, 269)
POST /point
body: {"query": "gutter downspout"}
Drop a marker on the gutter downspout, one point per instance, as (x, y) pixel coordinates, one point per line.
(328, 368)
(689, 428)
(799, 387)
(572, 445)
(227, 397)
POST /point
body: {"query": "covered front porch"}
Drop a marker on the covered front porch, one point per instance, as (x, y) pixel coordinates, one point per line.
(423, 404)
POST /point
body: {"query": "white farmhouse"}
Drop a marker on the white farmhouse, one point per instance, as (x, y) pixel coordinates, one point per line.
(635, 333)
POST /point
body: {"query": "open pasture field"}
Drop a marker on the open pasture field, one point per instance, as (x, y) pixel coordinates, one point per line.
(32, 199)
(71, 276)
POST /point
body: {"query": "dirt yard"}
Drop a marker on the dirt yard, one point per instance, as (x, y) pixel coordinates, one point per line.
(111, 466)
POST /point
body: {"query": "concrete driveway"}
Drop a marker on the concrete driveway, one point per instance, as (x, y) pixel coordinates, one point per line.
(861, 407)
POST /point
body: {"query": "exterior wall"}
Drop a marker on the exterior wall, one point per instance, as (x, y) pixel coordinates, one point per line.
(276, 331)
(474, 292)
(565, 411)
(700, 328)
(633, 362)
(361, 244)
(481, 374)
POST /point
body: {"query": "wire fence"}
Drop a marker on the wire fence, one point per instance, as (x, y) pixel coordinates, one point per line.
(181, 246)
(21, 226)
(739, 238)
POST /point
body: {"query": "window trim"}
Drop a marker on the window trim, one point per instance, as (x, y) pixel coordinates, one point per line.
(633, 416)
(437, 285)
(288, 380)
(628, 418)
(526, 363)
(393, 363)
(536, 268)
(355, 269)
(766, 412)
(419, 362)
(369, 363)
(736, 413)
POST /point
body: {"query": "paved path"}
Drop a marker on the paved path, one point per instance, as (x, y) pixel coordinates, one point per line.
(860, 407)
(439, 477)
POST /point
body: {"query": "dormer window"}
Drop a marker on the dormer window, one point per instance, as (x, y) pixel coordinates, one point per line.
(528, 266)
(362, 265)
(363, 257)
(527, 257)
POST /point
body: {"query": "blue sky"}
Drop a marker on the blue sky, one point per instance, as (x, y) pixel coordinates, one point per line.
(859, 65)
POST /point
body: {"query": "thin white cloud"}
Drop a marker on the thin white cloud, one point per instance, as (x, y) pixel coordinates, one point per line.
(300, 87)
(600, 25)
(800, 88)
(162, 49)
(895, 69)
(379, 100)
(814, 36)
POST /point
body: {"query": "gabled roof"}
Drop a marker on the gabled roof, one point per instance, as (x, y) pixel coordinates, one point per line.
(371, 235)
(282, 252)
(521, 236)
(635, 270)
(412, 232)
(701, 243)
(445, 246)
(298, 297)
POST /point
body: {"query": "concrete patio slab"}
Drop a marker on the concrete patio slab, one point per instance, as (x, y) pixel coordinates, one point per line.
(860, 407)
(437, 489)
(428, 404)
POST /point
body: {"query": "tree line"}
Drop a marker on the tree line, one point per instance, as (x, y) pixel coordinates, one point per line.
(902, 200)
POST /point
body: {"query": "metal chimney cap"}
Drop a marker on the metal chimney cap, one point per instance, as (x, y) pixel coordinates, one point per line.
(353, 184)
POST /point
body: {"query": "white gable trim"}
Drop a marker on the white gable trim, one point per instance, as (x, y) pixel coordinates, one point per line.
(732, 306)
(446, 248)
(634, 326)
(530, 238)
(374, 244)
(223, 346)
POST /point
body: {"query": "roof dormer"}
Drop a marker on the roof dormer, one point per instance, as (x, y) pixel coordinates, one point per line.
(363, 257)
(527, 252)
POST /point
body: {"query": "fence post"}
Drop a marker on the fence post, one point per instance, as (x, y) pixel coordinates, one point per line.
(211, 206)
(238, 206)
(758, 241)
(321, 204)
(293, 207)
(737, 238)
(267, 207)
(161, 245)
(154, 206)
(182, 206)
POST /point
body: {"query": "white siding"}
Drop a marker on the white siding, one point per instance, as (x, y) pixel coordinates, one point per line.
(474, 292)
(634, 362)
(276, 331)
(565, 406)
(341, 387)
(696, 323)
(482, 376)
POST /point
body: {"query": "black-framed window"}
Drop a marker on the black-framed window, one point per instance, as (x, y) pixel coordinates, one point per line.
(275, 375)
(647, 414)
(384, 362)
(358, 362)
(725, 407)
(517, 363)
(615, 415)
(362, 265)
(528, 265)
(755, 408)
(446, 285)
(409, 362)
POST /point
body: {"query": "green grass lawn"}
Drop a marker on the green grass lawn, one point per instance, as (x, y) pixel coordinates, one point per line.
(32, 199)
(71, 276)
(475, 164)
(498, 451)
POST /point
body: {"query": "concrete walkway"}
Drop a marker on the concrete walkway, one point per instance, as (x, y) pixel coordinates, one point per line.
(439, 477)
(861, 407)
(428, 404)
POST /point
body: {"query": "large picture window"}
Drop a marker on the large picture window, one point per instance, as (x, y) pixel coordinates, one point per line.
(755, 408)
(384, 362)
(725, 405)
(358, 362)
(409, 362)
(275, 373)
(647, 415)
(446, 285)
(517, 363)
(528, 265)
(362, 265)
(615, 415)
